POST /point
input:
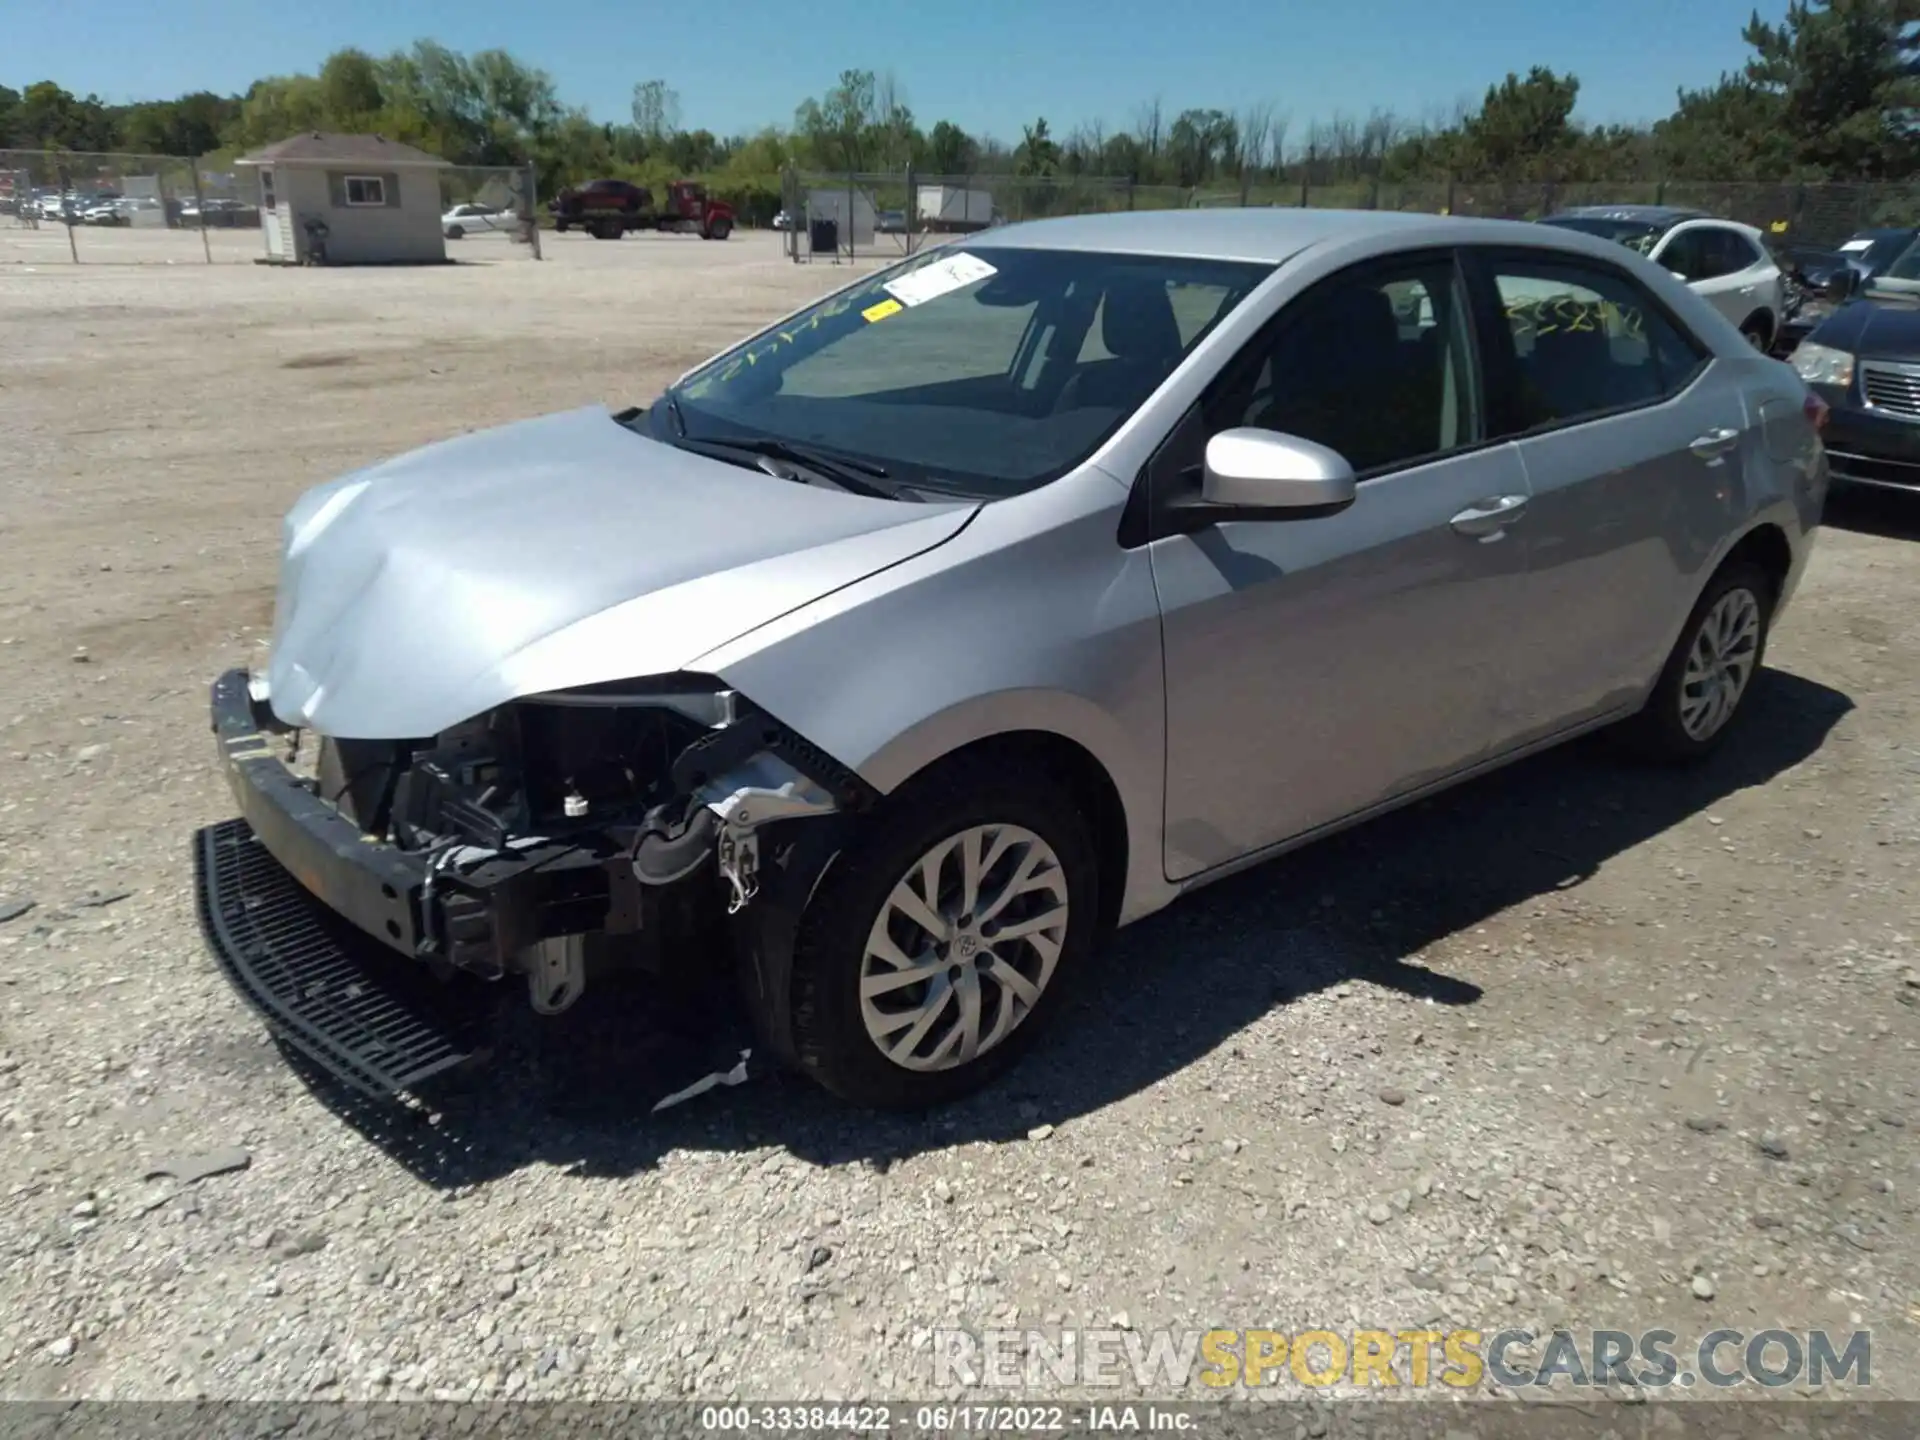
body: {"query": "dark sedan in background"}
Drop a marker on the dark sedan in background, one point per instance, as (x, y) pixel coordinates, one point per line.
(1864, 360)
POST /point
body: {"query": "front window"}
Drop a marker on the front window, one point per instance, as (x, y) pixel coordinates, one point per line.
(1637, 235)
(988, 371)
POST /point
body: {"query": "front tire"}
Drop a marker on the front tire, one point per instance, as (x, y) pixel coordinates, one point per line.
(1705, 683)
(937, 948)
(454, 232)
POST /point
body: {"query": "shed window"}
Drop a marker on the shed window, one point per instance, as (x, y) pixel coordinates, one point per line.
(366, 190)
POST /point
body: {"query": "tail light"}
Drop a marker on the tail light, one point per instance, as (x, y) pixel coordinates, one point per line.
(1816, 410)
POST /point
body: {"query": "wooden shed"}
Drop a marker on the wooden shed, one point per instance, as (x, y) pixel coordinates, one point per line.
(378, 199)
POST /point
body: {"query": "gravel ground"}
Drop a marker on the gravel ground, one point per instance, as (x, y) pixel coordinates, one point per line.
(1578, 1044)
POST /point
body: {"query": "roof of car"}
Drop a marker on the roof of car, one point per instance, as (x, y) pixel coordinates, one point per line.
(1267, 236)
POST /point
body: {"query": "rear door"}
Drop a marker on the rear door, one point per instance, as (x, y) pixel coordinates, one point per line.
(1631, 440)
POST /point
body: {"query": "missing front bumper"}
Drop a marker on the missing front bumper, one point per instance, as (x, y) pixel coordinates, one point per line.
(345, 939)
(322, 987)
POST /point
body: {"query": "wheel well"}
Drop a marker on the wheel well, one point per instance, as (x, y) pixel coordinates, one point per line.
(1767, 547)
(1099, 800)
(1761, 320)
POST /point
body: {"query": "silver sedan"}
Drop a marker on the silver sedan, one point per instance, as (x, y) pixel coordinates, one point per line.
(905, 649)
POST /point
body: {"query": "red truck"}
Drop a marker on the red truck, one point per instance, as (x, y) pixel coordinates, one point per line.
(607, 209)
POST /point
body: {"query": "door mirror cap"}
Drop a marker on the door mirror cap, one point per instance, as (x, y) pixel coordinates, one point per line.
(1842, 283)
(1681, 276)
(1250, 469)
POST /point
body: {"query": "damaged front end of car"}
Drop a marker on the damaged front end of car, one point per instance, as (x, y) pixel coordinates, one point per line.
(664, 829)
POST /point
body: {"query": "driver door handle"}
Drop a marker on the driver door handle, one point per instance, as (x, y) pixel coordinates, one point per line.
(1715, 443)
(1488, 518)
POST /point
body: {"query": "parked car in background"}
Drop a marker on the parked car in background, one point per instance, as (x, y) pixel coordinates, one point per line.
(463, 220)
(1811, 271)
(1727, 263)
(890, 222)
(1863, 359)
(1874, 250)
(220, 212)
(790, 220)
(909, 669)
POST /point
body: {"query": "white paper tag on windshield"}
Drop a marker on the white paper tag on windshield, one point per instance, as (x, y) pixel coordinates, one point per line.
(1853, 247)
(938, 278)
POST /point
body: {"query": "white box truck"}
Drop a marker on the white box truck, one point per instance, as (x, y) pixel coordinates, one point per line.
(953, 209)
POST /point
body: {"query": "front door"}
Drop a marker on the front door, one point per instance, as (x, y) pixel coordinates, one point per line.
(1318, 667)
(270, 217)
(1716, 263)
(1632, 449)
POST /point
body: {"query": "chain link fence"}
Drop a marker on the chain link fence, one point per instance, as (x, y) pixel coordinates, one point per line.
(73, 205)
(172, 209)
(489, 213)
(883, 215)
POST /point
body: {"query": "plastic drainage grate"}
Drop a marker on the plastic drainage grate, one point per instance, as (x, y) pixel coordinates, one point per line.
(313, 980)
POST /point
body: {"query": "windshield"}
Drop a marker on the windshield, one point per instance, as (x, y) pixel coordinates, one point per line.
(987, 372)
(1907, 267)
(1637, 235)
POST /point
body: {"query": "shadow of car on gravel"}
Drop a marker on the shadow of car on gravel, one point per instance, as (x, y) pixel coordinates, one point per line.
(1167, 990)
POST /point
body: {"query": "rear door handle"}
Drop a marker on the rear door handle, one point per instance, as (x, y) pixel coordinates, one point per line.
(1715, 443)
(1488, 518)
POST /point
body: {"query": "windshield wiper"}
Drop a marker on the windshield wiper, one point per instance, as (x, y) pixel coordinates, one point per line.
(858, 476)
(672, 403)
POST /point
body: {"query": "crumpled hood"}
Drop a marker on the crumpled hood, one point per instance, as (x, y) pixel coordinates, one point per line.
(554, 552)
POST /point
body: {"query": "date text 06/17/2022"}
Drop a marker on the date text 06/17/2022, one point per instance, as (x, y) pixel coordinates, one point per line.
(1043, 1418)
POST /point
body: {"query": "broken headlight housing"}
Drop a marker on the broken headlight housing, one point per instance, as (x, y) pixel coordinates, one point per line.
(612, 748)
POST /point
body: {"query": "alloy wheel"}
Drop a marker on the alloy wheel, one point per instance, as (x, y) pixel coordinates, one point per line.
(964, 946)
(1720, 664)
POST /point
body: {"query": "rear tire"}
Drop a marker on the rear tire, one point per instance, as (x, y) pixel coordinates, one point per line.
(454, 232)
(1003, 840)
(1759, 332)
(720, 229)
(1703, 688)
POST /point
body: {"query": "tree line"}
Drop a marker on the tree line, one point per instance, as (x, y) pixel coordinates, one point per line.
(1831, 92)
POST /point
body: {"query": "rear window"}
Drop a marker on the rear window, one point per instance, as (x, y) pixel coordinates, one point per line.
(1637, 235)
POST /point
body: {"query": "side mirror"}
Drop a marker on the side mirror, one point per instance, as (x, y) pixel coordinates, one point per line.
(1249, 469)
(1842, 283)
(1681, 276)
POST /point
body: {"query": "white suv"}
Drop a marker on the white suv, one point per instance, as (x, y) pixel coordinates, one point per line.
(1728, 263)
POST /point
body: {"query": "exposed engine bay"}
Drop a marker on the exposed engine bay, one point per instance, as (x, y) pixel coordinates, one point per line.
(615, 827)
